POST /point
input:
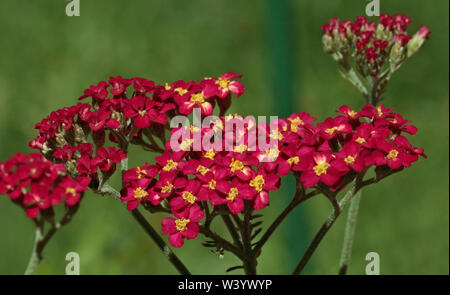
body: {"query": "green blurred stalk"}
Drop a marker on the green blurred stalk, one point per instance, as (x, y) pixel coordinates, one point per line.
(282, 73)
(349, 234)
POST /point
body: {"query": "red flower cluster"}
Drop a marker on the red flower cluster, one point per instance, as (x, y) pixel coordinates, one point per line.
(348, 143)
(37, 184)
(186, 179)
(373, 42)
(82, 163)
(121, 116)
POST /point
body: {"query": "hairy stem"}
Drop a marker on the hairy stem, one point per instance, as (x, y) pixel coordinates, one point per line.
(41, 240)
(176, 262)
(326, 227)
(349, 234)
(249, 257)
(34, 259)
(232, 229)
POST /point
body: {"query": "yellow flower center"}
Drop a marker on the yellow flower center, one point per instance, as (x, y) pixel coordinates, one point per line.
(295, 123)
(293, 160)
(71, 191)
(352, 113)
(240, 148)
(140, 172)
(202, 169)
(209, 154)
(349, 160)
(272, 153)
(392, 154)
(223, 83)
(236, 165)
(330, 131)
(170, 165)
(167, 188)
(232, 194)
(142, 113)
(181, 91)
(380, 113)
(275, 134)
(181, 224)
(186, 144)
(140, 193)
(212, 184)
(167, 86)
(257, 183)
(198, 97)
(321, 168)
(360, 140)
(193, 128)
(189, 197)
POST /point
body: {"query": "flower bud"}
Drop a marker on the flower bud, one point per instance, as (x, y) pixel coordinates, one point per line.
(417, 40)
(79, 133)
(60, 140)
(328, 44)
(397, 55)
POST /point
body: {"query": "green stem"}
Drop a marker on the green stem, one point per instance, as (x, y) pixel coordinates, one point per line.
(160, 242)
(232, 229)
(109, 190)
(349, 234)
(250, 258)
(326, 227)
(34, 259)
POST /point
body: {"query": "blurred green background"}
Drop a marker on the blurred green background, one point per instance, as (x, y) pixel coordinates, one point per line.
(47, 59)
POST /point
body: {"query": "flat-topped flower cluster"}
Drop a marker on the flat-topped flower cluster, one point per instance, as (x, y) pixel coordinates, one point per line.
(323, 155)
(36, 184)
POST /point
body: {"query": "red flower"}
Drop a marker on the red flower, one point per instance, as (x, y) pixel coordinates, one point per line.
(183, 227)
(239, 164)
(402, 22)
(169, 161)
(262, 183)
(371, 55)
(300, 120)
(109, 157)
(424, 32)
(352, 156)
(87, 166)
(144, 171)
(225, 85)
(98, 119)
(196, 99)
(140, 109)
(119, 85)
(330, 128)
(402, 39)
(372, 112)
(380, 45)
(233, 194)
(37, 199)
(386, 20)
(142, 86)
(348, 112)
(323, 169)
(98, 91)
(389, 154)
(187, 198)
(70, 189)
(135, 193)
(169, 183)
